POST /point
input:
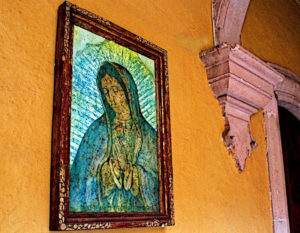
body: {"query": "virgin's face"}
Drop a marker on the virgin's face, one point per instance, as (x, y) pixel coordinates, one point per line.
(115, 95)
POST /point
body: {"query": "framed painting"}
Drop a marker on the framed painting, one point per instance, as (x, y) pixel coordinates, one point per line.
(111, 146)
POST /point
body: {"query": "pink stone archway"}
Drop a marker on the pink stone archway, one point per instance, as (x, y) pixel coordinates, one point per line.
(288, 96)
(243, 84)
(228, 19)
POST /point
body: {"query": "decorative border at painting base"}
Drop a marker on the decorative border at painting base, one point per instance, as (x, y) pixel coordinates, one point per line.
(73, 226)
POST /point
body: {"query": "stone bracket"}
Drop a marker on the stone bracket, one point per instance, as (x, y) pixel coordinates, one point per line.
(243, 84)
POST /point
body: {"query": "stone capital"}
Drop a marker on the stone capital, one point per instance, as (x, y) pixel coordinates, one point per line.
(243, 84)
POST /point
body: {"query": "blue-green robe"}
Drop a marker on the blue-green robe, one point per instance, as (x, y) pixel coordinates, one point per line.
(87, 190)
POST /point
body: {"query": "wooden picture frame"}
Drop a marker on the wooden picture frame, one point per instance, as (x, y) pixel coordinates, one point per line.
(61, 218)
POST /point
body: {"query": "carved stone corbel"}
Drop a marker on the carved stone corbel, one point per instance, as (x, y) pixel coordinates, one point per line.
(243, 84)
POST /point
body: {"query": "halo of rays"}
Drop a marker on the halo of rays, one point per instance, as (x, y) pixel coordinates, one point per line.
(89, 51)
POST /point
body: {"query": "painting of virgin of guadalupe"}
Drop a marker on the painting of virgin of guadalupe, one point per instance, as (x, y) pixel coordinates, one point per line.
(115, 169)
(113, 155)
(111, 162)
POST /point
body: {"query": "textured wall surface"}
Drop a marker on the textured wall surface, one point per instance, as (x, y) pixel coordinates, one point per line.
(272, 32)
(210, 195)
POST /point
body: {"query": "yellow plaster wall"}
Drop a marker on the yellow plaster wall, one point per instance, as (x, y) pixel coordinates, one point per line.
(210, 195)
(272, 32)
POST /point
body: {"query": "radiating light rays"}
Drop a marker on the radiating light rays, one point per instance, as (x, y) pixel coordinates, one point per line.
(89, 51)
